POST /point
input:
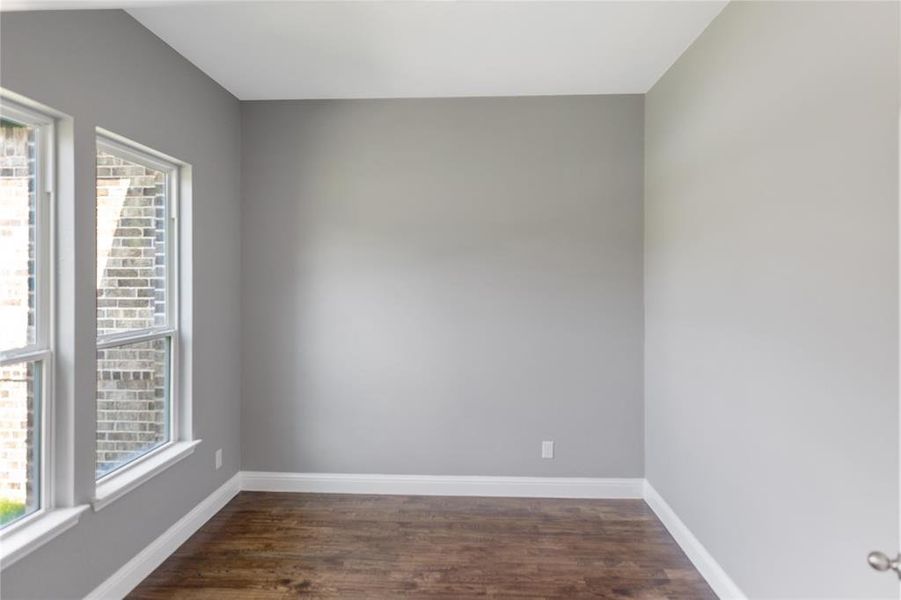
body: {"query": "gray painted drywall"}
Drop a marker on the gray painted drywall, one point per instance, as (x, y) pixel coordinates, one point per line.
(771, 294)
(435, 286)
(104, 69)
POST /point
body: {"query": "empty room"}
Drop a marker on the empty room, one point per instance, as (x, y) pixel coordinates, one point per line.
(450, 299)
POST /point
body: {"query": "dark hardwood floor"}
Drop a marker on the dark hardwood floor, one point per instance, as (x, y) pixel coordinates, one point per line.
(266, 545)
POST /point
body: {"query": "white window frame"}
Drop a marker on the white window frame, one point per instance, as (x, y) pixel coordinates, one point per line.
(180, 444)
(40, 350)
(28, 533)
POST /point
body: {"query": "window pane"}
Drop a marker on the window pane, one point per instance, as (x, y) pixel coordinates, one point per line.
(131, 245)
(132, 402)
(17, 234)
(19, 444)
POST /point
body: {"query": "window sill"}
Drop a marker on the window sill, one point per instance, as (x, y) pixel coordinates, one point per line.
(120, 484)
(30, 536)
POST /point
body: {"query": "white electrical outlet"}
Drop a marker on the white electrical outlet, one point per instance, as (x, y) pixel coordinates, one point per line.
(219, 459)
(547, 449)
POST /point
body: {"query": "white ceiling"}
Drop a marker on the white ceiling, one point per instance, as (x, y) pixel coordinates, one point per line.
(391, 49)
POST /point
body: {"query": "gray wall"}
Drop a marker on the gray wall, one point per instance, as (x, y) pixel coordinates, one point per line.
(435, 286)
(771, 294)
(103, 69)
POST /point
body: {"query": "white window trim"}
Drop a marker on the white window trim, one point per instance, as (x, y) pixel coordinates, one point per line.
(181, 443)
(39, 350)
(23, 541)
(23, 536)
(140, 471)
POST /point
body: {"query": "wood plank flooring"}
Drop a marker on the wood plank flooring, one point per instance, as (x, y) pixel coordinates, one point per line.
(267, 545)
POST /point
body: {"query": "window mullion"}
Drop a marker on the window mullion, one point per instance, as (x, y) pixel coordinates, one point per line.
(27, 355)
(130, 337)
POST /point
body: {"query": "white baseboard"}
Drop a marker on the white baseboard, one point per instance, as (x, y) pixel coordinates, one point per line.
(703, 561)
(444, 485)
(134, 571)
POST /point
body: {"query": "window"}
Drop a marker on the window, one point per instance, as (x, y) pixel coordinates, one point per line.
(137, 319)
(25, 333)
